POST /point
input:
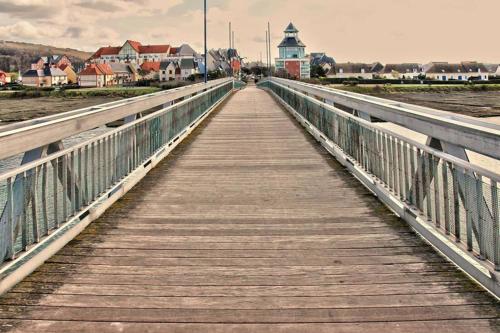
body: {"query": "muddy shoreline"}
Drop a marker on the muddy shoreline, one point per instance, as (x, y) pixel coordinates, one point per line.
(14, 110)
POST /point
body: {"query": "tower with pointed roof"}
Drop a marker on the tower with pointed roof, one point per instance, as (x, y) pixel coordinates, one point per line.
(292, 55)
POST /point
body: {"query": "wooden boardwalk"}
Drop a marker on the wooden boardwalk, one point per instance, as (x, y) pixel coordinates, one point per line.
(250, 226)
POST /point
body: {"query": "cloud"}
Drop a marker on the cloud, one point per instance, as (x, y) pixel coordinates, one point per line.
(98, 5)
(73, 32)
(26, 9)
(21, 29)
(187, 6)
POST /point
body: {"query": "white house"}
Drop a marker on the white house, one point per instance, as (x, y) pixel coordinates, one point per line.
(167, 70)
(96, 75)
(131, 51)
(47, 77)
(463, 71)
(188, 68)
(355, 70)
(124, 73)
(407, 71)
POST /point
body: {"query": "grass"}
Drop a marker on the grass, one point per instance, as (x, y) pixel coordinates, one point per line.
(111, 91)
(84, 92)
(410, 88)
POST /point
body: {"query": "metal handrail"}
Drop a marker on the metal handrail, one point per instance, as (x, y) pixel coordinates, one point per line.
(459, 198)
(467, 132)
(24, 136)
(39, 197)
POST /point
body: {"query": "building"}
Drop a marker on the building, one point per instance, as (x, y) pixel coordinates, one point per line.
(131, 51)
(292, 60)
(464, 71)
(47, 77)
(51, 60)
(167, 70)
(150, 70)
(72, 76)
(355, 70)
(408, 71)
(124, 73)
(188, 68)
(183, 51)
(96, 75)
(4, 78)
(322, 60)
(493, 69)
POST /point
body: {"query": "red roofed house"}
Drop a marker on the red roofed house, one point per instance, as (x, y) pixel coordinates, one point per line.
(131, 51)
(150, 70)
(96, 75)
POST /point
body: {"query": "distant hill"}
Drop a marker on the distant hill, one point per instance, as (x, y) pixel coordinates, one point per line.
(16, 56)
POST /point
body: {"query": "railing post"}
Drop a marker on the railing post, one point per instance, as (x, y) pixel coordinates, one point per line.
(496, 225)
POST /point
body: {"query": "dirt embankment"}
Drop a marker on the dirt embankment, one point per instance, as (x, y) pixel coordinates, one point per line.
(467, 100)
(12, 110)
(475, 104)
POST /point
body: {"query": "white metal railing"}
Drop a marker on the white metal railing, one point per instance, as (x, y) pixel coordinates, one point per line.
(466, 132)
(458, 199)
(40, 196)
(23, 136)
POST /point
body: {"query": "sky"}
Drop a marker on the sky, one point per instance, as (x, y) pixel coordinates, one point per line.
(348, 30)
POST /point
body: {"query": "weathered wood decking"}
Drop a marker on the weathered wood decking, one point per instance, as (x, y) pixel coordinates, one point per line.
(250, 226)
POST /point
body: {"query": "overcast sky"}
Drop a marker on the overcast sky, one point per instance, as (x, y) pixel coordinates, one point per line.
(348, 30)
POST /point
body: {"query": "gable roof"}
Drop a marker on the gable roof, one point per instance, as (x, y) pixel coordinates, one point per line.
(108, 50)
(64, 66)
(50, 59)
(402, 68)
(137, 46)
(165, 64)
(492, 68)
(105, 69)
(463, 67)
(183, 50)
(33, 73)
(321, 59)
(134, 44)
(151, 66)
(97, 69)
(118, 67)
(356, 68)
(154, 48)
(53, 71)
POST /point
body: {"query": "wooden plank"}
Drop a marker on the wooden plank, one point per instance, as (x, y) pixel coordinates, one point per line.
(451, 326)
(332, 315)
(243, 291)
(249, 226)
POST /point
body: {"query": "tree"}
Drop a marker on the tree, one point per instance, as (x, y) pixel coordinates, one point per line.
(317, 71)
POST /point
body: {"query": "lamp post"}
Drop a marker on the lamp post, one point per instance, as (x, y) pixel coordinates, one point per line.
(205, 24)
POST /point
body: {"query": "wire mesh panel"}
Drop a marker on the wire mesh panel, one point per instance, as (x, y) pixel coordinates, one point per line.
(38, 198)
(456, 197)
